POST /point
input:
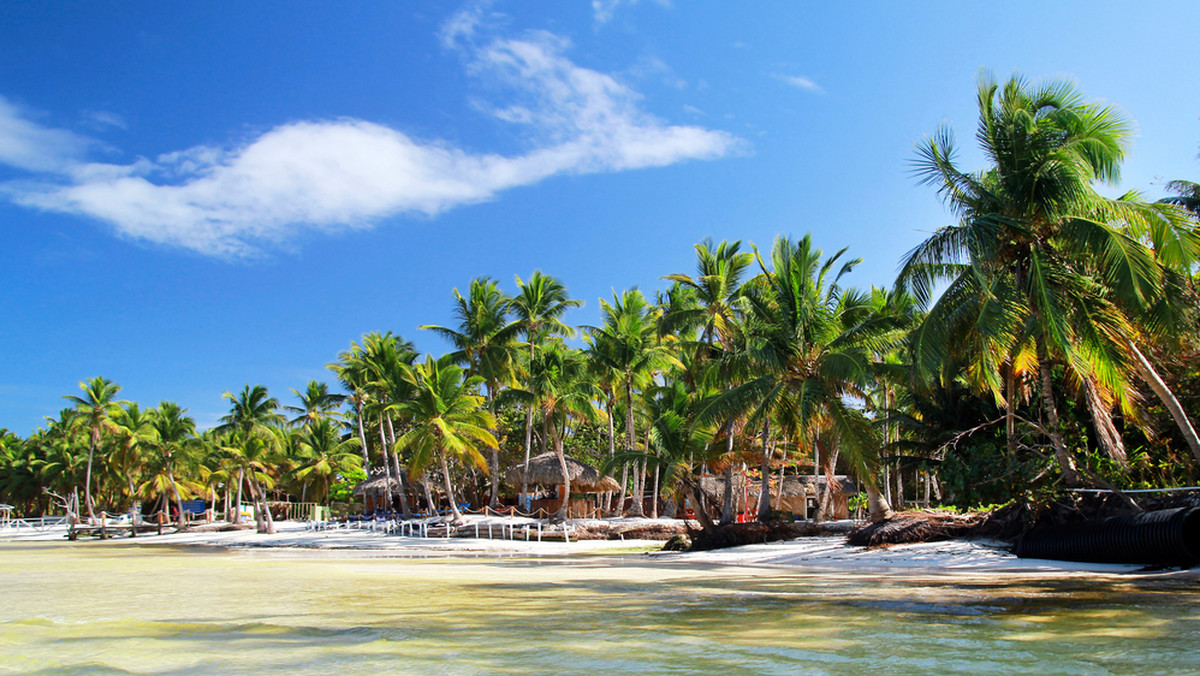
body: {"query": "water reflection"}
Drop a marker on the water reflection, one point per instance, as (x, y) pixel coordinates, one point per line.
(115, 609)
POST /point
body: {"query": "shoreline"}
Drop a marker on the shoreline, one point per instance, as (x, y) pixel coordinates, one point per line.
(821, 553)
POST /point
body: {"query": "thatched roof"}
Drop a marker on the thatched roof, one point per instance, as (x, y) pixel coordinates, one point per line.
(377, 484)
(544, 469)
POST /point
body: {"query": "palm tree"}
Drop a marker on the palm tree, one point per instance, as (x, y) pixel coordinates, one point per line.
(538, 307)
(173, 434)
(316, 403)
(133, 432)
(716, 291)
(1039, 264)
(485, 341)
(448, 420)
(98, 405)
(808, 356)
(324, 455)
(251, 425)
(629, 344)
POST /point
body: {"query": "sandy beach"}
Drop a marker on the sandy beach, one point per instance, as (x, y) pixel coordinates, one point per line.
(824, 553)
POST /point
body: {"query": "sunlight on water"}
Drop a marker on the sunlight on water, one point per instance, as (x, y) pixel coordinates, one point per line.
(109, 608)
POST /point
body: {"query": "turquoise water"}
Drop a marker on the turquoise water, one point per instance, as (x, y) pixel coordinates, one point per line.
(111, 608)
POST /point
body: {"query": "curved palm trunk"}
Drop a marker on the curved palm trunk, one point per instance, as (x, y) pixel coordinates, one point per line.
(362, 438)
(237, 509)
(266, 510)
(1164, 393)
(877, 505)
(1066, 461)
(457, 517)
(428, 494)
(564, 510)
(612, 449)
(179, 523)
(401, 479)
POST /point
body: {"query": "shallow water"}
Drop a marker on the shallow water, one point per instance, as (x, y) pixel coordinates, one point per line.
(110, 608)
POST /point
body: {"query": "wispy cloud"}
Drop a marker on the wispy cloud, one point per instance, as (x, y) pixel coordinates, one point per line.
(603, 10)
(340, 174)
(27, 144)
(801, 82)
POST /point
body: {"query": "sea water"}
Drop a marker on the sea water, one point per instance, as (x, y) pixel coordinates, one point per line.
(111, 608)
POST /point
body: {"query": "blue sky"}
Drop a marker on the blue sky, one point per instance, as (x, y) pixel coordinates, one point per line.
(196, 196)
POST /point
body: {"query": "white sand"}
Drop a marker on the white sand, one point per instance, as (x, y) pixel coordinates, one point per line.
(830, 553)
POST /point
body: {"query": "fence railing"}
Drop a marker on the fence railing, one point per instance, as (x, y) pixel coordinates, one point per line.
(38, 523)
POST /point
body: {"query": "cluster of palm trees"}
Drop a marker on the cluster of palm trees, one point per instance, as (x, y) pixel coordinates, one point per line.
(1035, 341)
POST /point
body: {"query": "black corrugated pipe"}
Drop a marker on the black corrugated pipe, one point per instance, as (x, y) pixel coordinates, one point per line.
(1168, 536)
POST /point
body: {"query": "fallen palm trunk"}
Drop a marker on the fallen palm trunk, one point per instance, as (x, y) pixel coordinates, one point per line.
(911, 527)
(1168, 536)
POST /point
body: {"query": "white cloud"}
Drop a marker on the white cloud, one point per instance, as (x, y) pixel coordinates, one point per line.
(25, 144)
(333, 175)
(801, 82)
(603, 10)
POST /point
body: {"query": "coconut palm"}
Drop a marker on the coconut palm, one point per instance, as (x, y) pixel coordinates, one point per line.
(1039, 264)
(716, 290)
(133, 432)
(324, 455)
(316, 403)
(251, 427)
(98, 405)
(485, 342)
(448, 421)
(629, 344)
(808, 357)
(173, 433)
(538, 308)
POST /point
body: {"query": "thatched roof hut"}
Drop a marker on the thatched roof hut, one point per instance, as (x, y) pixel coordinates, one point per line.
(544, 469)
(379, 483)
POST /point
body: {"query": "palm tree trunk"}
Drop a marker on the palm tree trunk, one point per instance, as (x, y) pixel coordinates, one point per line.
(494, 467)
(631, 438)
(428, 494)
(87, 482)
(877, 504)
(1066, 461)
(612, 449)
(266, 508)
(178, 499)
(727, 494)
(457, 517)
(1150, 375)
(528, 447)
(564, 510)
(764, 488)
(362, 439)
(237, 510)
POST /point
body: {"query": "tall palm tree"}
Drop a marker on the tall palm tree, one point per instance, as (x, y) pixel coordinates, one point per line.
(448, 420)
(133, 432)
(539, 307)
(98, 405)
(808, 357)
(629, 344)
(251, 425)
(173, 434)
(717, 290)
(485, 342)
(1040, 264)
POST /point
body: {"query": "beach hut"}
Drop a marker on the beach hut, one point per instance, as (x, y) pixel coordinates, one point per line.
(545, 470)
(377, 490)
(799, 495)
